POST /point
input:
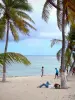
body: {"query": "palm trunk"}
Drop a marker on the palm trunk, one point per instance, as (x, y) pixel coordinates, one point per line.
(63, 76)
(5, 51)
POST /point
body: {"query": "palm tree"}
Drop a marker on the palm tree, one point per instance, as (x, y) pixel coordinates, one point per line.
(65, 9)
(13, 17)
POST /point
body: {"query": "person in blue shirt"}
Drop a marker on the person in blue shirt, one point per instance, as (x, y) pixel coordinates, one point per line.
(56, 73)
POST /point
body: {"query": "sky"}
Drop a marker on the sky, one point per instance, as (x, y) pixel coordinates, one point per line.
(38, 43)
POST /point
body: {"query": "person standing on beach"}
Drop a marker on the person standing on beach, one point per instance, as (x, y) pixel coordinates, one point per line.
(42, 70)
(56, 73)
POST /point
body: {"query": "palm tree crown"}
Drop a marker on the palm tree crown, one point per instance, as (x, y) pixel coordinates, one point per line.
(14, 11)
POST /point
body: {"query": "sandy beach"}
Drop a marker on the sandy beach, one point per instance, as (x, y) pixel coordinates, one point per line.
(25, 88)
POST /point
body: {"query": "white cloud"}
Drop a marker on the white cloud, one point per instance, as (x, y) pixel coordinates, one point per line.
(50, 35)
(0, 1)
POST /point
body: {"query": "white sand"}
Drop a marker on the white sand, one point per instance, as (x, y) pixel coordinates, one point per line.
(25, 88)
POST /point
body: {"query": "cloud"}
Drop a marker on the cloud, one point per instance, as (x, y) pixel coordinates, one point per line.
(50, 35)
(33, 47)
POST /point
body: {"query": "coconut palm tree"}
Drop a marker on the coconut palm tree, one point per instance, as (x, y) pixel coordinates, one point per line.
(65, 12)
(65, 9)
(13, 18)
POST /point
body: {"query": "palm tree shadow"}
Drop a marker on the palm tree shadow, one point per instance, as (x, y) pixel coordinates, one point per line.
(61, 88)
(5, 81)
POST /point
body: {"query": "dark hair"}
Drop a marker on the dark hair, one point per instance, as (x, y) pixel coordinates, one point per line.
(57, 86)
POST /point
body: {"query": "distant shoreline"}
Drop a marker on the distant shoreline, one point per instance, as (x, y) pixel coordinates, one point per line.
(29, 76)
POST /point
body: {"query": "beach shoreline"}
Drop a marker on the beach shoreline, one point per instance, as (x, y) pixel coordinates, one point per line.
(27, 75)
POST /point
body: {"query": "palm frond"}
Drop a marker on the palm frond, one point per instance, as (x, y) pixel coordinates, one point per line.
(71, 34)
(54, 41)
(47, 7)
(2, 27)
(1, 6)
(24, 15)
(71, 5)
(27, 17)
(27, 24)
(59, 14)
(13, 57)
(22, 5)
(46, 12)
(58, 55)
(19, 24)
(14, 32)
(68, 58)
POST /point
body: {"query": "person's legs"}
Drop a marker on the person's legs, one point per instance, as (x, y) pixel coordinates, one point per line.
(43, 85)
(57, 75)
(42, 74)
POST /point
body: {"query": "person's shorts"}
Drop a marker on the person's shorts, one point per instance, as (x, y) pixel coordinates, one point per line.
(57, 74)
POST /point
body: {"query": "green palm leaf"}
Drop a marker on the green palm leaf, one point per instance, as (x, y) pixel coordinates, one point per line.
(68, 58)
(59, 14)
(58, 55)
(19, 24)
(13, 57)
(2, 27)
(1, 6)
(46, 12)
(22, 5)
(14, 32)
(47, 8)
(54, 41)
(29, 25)
(24, 15)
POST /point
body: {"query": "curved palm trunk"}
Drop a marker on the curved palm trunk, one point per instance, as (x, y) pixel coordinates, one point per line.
(6, 45)
(63, 76)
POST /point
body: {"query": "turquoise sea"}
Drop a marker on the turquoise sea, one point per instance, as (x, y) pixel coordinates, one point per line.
(49, 63)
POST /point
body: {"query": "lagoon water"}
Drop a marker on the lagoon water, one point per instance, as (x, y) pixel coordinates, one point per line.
(49, 63)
